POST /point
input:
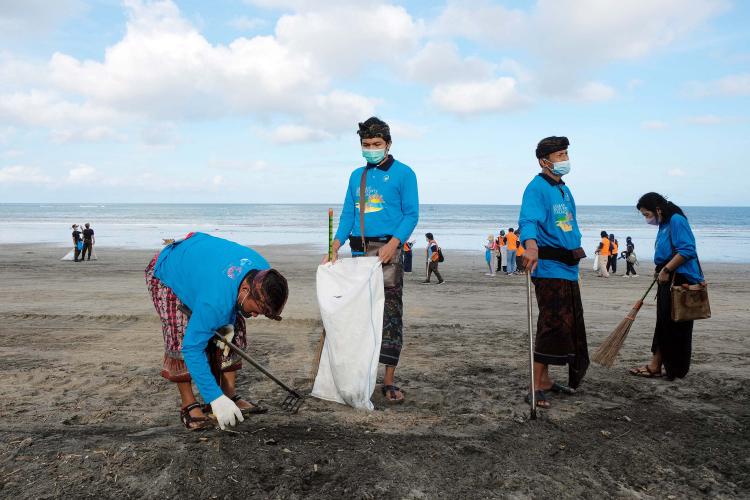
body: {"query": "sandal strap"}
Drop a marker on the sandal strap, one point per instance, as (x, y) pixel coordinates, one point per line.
(191, 407)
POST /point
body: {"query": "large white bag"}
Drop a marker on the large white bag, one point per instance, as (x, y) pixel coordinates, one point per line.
(351, 299)
(596, 262)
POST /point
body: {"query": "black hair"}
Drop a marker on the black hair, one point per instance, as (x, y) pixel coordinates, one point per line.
(604, 234)
(374, 127)
(652, 201)
(502, 233)
(276, 288)
(612, 237)
(510, 229)
(429, 236)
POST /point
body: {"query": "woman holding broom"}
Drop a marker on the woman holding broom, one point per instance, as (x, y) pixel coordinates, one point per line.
(676, 261)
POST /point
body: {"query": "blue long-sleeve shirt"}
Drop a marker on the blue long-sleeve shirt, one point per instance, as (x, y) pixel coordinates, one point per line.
(391, 202)
(205, 273)
(548, 215)
(684, 243)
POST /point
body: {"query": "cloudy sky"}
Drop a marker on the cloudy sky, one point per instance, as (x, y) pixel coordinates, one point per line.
(257, 101)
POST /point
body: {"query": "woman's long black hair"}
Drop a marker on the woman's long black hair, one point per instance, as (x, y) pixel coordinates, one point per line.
(652, 201)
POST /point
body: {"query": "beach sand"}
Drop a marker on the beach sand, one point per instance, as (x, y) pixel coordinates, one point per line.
(85, 412)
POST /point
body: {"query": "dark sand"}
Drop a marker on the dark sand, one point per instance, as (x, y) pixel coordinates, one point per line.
(86, 414)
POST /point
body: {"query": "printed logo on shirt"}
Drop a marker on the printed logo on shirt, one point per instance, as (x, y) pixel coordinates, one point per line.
(563, 217)
(373, 201)
(234, 271)
(385, 178)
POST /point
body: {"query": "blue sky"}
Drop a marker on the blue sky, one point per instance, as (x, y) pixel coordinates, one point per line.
(257, 101)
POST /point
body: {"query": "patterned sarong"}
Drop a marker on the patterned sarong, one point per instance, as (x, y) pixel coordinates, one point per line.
(173, 324)
(560, 331)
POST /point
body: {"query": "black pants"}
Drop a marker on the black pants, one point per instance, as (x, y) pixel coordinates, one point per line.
(86, 246)
(432, 267)
(78, 252)
(674, 341)
(500, 263)
(612, 262)
(629, 268)
(519, 263)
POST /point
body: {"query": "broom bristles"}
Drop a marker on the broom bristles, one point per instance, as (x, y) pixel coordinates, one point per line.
(316, 360)
(608, 351)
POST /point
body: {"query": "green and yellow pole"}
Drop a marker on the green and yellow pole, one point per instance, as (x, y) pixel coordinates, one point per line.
(330, 234)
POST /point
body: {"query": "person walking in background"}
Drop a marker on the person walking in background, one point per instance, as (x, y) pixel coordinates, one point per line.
(612, 260)
(511, 240)
(388, 210)
(503, 259)
(519, 253)
(408, 256)
(88, 241)
(549, 231)
(499, 264)
(676, 259)
(491, 254)
(432, 253)
(602, 251)
(629, 266)
(76, 239)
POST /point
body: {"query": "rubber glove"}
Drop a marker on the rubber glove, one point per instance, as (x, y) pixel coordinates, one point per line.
(226, 411)
(227, 332)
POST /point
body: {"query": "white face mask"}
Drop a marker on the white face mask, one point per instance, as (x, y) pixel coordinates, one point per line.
(240, 308)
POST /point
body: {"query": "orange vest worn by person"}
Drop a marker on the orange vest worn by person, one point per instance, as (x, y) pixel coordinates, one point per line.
(614, 248)
(512, 240)
(605, 247)
(435, 255)
(407, 247)
(520, 250)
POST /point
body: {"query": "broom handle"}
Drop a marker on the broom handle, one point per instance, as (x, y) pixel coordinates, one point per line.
(531, 346)
(638, 304)
(330, 234)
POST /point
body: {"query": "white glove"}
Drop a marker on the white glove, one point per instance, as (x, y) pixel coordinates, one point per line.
(227, 332)
(226, 411)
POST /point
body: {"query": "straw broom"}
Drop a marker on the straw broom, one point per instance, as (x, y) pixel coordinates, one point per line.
(609, 350)
(319, 353)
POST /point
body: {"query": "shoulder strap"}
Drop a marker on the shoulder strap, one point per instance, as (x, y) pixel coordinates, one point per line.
(362, 196)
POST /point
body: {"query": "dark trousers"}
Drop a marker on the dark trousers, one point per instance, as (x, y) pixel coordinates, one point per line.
(407, 261)
(78, 252)
(612, 263)
(86, 246)
(519, 263)
(500, 263)
(673, 340)
(629, 268)
(432, 267)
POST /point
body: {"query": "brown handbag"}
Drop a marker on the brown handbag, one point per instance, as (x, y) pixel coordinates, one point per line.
(689, 302)
(391, 270)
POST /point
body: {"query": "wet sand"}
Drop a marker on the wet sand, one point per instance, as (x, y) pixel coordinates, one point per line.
(86, 413)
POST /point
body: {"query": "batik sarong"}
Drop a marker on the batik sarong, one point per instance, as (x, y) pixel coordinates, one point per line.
(393, 324)
(560, 331)
(173, 324)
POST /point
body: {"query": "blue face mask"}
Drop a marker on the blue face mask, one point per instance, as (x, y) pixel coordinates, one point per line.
(374, 156)
(560, 168)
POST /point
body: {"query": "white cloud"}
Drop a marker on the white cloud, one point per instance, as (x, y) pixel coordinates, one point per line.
(594, 92)
(300, 4)
(252, 165)
(245, 23)
(341, 38)
(341, 111)
(654, 125)
(5, 135)
(292, 134)
(481, 21)
(401, 130)
(81, 173)
(11, 154)
(35, 17)
(711, 120)
(633, 83)
(48, 109)
(496, 96)
(729, 86)
(676, 172)
(21, 173)
(93, 134)
(160, 136)
(440, 62)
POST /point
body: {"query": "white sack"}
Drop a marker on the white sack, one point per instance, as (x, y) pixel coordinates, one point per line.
(596, 262)
(72, 255)
(351, 299)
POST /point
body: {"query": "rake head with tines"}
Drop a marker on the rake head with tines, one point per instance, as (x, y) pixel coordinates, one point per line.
(292, 403)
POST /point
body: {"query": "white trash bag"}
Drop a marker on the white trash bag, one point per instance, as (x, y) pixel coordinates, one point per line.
(351, 299)
(596, 262)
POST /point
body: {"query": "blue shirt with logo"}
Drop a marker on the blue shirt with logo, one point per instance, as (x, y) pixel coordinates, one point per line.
(548, 215)
(205, 273)
(684, 243)
(391, 206)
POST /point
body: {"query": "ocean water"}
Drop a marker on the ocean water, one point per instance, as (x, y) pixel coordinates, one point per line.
(722, 233)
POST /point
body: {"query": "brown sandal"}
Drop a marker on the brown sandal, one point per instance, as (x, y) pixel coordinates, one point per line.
(646, 372)
(187, 418)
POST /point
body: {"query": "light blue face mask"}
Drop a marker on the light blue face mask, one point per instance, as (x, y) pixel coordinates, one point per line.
(373, 156)
(560, 168)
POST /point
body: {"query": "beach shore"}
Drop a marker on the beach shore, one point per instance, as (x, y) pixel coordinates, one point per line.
(86, 413)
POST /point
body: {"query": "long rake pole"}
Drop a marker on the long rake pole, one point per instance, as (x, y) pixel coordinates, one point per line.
(321, 343)
(531, 344)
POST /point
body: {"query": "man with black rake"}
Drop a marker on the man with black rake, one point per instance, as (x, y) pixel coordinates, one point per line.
(390, 204)
(550, 233)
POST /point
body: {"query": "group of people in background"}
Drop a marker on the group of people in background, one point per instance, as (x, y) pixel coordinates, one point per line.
(607, 255)
(83, 242)
(505, 253)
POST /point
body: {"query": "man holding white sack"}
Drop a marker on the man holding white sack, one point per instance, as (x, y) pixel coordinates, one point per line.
(391, 212)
